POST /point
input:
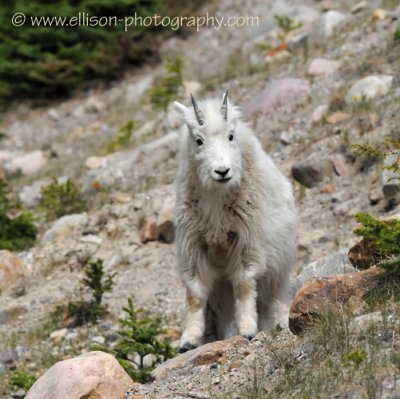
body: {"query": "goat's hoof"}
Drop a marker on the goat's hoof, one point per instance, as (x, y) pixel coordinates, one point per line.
(187, 346)
(249, 336)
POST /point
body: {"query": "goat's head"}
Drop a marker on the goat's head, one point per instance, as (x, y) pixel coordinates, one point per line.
(214, 145)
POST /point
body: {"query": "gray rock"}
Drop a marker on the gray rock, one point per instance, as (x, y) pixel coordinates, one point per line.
(8, 355)
(312, 170)
(95, 162)
(26, 164)
(276, 94)
(297, 41)
(328, 23)
(58, 335)
(361, 6)
(336, 263)
(71, 336)
(5, 156)
(2, 368)
(98, 339)
(20, 394)
(321, 66)
(64, 226)
(369, 88)
(121, 166)
(318, 114)
(360, 324)
(292, 136)
(30, 195)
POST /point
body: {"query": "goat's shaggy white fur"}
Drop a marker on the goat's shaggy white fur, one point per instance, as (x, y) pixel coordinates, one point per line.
(236, 225)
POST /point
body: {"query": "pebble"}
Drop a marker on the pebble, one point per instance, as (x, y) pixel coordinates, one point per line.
(321, 66)
(71, 336)
(98, 339)
(379, 14)
(362, 5)
(59, 335)
(91, 239)
(319, 113)
(96, 162)
(338, 117)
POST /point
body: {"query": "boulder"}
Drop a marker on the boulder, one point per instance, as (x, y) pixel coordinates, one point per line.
(93, 375)
(369, 88)
(336, 263)
(205, 354)
(322, 295)
(11, 270)
(276, 94)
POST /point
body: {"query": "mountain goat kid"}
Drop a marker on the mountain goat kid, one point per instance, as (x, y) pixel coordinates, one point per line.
(236, 223)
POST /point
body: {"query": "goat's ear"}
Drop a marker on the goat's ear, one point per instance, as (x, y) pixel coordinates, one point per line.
(186, 114)
(181, 108)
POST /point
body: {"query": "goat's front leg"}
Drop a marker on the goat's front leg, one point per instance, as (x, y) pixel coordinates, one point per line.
(245, 291)
(196, 298)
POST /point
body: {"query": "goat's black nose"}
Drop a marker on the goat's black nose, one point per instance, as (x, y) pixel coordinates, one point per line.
(222, 172)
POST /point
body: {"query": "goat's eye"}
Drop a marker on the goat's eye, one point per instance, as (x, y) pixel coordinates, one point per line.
(230, 137)
(199, 142)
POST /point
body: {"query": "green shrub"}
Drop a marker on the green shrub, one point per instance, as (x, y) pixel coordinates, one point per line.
(16, 233)
(59, 199)
(42, 61)
(84, 312)
(286, 24)
(167, 88)
(354, 358)
(389, 146)
(382, 236)
(121, 139)
(139, 337)
(21, 380)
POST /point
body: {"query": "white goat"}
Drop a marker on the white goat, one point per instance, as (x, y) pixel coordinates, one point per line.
(236, 224)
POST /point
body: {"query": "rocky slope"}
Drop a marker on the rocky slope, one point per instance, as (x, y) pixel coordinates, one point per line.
(302, 102)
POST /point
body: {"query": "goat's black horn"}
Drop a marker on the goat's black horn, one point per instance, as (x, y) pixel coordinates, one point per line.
(197, 111)
(224, 107)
